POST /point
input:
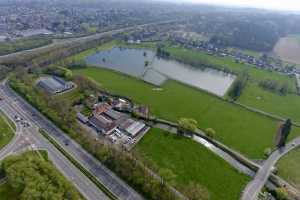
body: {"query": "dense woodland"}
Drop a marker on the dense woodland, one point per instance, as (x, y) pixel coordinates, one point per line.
(32, 176)
(253, 29)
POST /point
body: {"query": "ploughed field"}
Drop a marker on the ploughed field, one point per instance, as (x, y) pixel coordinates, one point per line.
(288, 49)
(191, 162)
(247, 132)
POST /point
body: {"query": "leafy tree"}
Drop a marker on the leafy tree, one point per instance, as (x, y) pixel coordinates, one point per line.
(195, 191)
(210, 132)
(284, 131)
(34, 178)
(281, 194)
(186, 125)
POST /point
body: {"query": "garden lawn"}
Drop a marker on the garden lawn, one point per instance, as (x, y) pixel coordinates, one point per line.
(288, 168)
(6, 131)
(286, 106)
(248, 132)
(192, 162)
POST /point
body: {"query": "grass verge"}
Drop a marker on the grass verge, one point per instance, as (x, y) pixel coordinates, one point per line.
(6, 130)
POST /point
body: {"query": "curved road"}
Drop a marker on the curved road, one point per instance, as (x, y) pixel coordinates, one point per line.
(255, 186)
(34, 140)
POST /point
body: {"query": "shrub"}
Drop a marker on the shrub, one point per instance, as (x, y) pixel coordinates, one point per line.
(281, 194)
(210, 132)
(267, 152)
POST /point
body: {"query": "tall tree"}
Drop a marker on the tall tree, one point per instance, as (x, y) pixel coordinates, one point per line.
(284, 131)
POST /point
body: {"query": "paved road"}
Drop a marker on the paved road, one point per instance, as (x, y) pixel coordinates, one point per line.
(32, 139)
(254, 187)
(104, 175)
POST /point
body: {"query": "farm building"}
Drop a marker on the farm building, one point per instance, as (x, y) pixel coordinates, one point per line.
(54, 85)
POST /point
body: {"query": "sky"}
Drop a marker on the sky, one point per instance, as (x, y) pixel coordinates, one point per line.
(290, 5)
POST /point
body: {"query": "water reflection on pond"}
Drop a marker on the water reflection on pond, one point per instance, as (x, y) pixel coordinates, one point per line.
(146, 65)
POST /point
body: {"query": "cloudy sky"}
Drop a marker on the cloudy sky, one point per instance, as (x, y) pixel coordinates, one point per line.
(292, 5)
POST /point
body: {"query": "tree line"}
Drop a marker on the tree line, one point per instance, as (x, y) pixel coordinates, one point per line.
(274, 86)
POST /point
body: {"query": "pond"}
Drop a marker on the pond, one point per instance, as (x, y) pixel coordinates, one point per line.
(144, 64)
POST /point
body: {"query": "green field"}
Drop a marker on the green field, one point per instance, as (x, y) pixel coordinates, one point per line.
(288, 168)
(245, 131)
(6, 131)
(287, 106)
(230, 64)
(192, 162)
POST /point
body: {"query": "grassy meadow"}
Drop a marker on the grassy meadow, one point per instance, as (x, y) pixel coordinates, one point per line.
(288, 168)
(287, 106)
(191, 162)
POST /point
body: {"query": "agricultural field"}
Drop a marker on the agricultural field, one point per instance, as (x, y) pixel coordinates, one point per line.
(191, 162)
(248, 132)
(288, 48)
(22, 44)
(286, 106)
(288, 168)
(6, 131)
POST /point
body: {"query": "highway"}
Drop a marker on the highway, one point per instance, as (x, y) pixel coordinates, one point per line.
(117, 186)
(30, 138)
(255, 186)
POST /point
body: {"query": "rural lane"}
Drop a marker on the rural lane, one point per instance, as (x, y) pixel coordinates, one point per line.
(255, 186)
